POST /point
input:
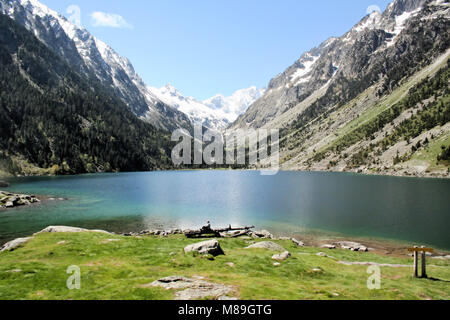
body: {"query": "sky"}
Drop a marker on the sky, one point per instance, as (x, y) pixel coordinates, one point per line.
(209, 47)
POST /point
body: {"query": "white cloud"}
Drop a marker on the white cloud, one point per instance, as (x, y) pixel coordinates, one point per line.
(104, 19)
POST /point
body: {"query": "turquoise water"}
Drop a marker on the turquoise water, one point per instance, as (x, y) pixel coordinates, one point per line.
(416, 210)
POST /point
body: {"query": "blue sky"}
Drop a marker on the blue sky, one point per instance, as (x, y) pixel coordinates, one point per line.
(206, 47)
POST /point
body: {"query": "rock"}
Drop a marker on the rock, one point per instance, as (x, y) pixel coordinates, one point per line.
(194, 289)
(177, 231)
(235, 234)
(61, 243)
(211, 247)
(14, 200)
(298, 242)
(321, 254)
(264, 234)
(13, 245)
(230, 264)
(277, 264)
(316, 270)
(268, 245)
(15, 271)
(63, 229)
(328, 246)
(353, 246)
(9, 204)
(284, 238)
(282, 256)
(4, 184)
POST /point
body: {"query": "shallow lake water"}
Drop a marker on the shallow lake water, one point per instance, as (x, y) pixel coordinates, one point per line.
(407, 209)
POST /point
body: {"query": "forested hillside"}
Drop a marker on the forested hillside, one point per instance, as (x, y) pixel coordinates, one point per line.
(54, 119)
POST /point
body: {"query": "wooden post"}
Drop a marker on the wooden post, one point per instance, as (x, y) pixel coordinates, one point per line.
(424, 264)
(416, 263)
(422, 250)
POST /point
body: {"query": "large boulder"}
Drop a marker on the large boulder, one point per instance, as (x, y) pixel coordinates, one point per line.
(192, 289)
(211, 247)
(264, 234)
(63, 229)
(13, 245)
(267, 245)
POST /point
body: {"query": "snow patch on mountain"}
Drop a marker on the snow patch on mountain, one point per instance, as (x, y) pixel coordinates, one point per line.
(214, 113)
(307, 66)
(236, 104)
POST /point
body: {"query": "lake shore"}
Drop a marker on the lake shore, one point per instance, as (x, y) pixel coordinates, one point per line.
(340, 206)
(135, 267)
(9, 200)
(403, 173)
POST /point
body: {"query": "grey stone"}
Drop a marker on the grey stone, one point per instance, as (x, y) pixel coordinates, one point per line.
(262, 234)
(63, 229)
(298, 242)
(282, 256)
(192, 289)
(268, 245)
(235, 234)
(328, 246)
(206, 247)
(13, 245)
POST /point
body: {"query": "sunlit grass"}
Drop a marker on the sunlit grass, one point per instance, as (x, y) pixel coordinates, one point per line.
(119, 269)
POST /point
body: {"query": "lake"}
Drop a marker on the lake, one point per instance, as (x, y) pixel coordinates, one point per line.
(406, 209)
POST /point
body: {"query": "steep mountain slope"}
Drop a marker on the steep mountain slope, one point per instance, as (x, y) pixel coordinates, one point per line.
(336, 88)
(93, 58)
(216, 113)
(52, 120)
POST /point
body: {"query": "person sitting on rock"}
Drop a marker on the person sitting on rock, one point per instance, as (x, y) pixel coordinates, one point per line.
(207, 227)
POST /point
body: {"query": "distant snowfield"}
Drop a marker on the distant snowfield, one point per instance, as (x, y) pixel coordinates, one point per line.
(216, 112)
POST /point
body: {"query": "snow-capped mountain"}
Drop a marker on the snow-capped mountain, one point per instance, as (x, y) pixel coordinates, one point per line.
(236, 104)
(353, 102)
(198, 112)
(92, 57)
(215, 113)
(363, 56)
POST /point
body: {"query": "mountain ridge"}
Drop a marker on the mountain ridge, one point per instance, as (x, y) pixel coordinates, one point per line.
(55, 121)
(345, 79)
(216, 113)
(92, 57)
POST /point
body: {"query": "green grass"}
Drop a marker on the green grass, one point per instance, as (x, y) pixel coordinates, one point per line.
(428, 155)
(381, 106)
(118, 270)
